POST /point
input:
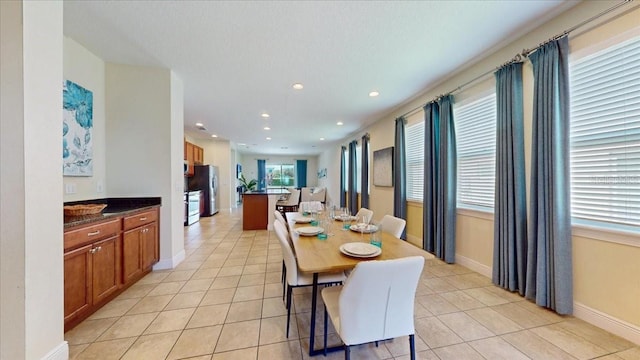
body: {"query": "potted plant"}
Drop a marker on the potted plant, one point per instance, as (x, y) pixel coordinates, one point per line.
(249, 186)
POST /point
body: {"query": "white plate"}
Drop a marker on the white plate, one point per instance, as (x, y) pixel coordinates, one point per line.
(303, 220)
(360, 250)
(343, 218)
(309, 230)
(367, 230)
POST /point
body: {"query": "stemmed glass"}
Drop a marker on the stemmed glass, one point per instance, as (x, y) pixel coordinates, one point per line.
(346, 218)
(361, 224)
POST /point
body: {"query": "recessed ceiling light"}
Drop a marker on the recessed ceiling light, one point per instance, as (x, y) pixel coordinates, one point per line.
(298, 86)
(242, 144)
(339, 123)
(321, 139)
(214, 135)
(267, 128)
(265, 115)
(268, 138)
(199, 124)
(284, 148)
(374, 94)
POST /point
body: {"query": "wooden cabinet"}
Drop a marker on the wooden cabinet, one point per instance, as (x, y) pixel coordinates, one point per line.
(91, 268)
(102, 259)
(194, 155)
(140, 245)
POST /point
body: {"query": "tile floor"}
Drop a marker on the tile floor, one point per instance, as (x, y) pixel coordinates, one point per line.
(225, 302)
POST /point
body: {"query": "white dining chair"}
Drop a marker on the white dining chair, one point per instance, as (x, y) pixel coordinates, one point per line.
(366, 212)
(291, 204)
(281, 219)
(393, 225)
(376, 302)
(296, 279)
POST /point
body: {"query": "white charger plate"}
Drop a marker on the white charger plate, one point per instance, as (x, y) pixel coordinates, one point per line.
(309, 230)
(360, 250)
(367, 230)
(344, 218)
(303, 220)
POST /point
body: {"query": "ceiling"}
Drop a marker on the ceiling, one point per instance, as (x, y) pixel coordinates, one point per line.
(238, 59)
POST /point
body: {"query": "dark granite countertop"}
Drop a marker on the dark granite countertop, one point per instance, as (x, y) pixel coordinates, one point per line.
(116, 207)
(268, 192)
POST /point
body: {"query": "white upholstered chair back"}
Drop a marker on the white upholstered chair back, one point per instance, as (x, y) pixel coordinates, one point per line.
(293, 199)
(393, 225)
(377, 300)
(280, 218)
(313, 194)
(287, 253)
(368, 213)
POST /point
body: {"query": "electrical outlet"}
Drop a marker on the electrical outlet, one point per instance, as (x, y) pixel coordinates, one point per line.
(70, 188)
(99, 187)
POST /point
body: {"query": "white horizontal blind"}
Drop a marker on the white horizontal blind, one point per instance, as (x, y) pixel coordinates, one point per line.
(414, 140)
(605, 137)
(476, 144)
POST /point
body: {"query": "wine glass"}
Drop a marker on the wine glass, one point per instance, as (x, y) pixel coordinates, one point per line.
(346, 218)
(361, 224)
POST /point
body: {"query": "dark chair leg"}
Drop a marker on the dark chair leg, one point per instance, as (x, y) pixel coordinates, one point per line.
(376, 343)
(289, 288)
(325, 330)
(347, 352)
(412, 347)
(284, 279)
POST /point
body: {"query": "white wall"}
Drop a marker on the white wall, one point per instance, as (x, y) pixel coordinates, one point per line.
(31, 305)
(249, 164)
(142, 134)
(87, 70)
(330, 159)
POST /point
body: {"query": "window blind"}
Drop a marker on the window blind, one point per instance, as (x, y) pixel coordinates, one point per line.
(605, 137)
(476, 144)
(414, 140)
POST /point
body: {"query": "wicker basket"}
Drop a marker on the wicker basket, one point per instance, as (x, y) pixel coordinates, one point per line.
(78, 210)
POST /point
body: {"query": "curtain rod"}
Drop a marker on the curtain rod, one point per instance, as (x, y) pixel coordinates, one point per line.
(525, 52)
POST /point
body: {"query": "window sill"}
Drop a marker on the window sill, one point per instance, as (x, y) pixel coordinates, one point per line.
(608, 235)
(485, 215)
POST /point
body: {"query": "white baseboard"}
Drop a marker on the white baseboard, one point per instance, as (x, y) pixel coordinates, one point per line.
(165, 264)
(474, 265)
(607, 322)
(61, 352)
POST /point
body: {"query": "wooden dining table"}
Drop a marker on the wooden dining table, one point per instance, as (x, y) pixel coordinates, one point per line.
(317, 256)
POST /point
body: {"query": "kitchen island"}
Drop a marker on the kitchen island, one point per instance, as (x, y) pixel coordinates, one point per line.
(258, 208)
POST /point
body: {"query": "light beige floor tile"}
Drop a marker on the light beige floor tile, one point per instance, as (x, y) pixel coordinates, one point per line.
(179, 276)
(231, 270)
(493, 321)
(185, 300)
(274, 277)
(289, 350)
(75, 350)
(486, 297)
(251, 279)
(238, 335)
(273, 290)
(569, 342)
(136, 290)
(150, 304)
(208, 316)
(196, 285)
(496, 348)
(274, 329)
(630, 354)
(195, 342)
(188, 265)
(245, 293)
(245, 310)
(254, 269)
(420, 355)
(535, 347)
(253, 260)
(155, 346)
(548, 315)
(436, 304)
(420, 311)
(154, 277)
(505, 294)
(128, 326)
(400, 346)
(88, 331)
(218, 296)
(519, 315)
(234, 262)
(610, 357)
(465, 326)
(434, 333)
(115, 308)
(167, 288)
(458, 352)
(242, 354)
(595, 335)
(439, 285)
(225, 282)
(106, 350)
(170, 320)
(461, 300)
(205, 273)
(273, 307)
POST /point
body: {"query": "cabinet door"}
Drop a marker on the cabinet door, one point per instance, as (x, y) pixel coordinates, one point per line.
(190, 158)
(77, 282)
(198, 155)
(105, 268)
(149, 244)
(131, 265)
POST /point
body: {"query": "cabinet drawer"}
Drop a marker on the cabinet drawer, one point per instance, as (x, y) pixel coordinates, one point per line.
(92, 233)
(140, 219)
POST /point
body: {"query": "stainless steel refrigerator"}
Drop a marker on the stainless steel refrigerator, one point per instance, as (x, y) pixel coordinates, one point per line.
(205, 179)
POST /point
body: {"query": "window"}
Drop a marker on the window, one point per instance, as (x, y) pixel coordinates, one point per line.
(605, 137)
(414, 139)
(476, 145)
(280, 175)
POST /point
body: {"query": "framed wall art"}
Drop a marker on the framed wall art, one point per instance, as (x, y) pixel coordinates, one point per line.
(77, 127)
(383, 167)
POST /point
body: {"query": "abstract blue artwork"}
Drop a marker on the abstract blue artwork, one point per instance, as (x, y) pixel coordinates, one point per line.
(77, 125)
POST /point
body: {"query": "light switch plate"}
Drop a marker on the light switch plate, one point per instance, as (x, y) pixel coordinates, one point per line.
(70, 188)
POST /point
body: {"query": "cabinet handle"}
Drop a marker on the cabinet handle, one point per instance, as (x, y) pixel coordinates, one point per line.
(94, 233)
(93, 251)
(99, 248)
(143, 218)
